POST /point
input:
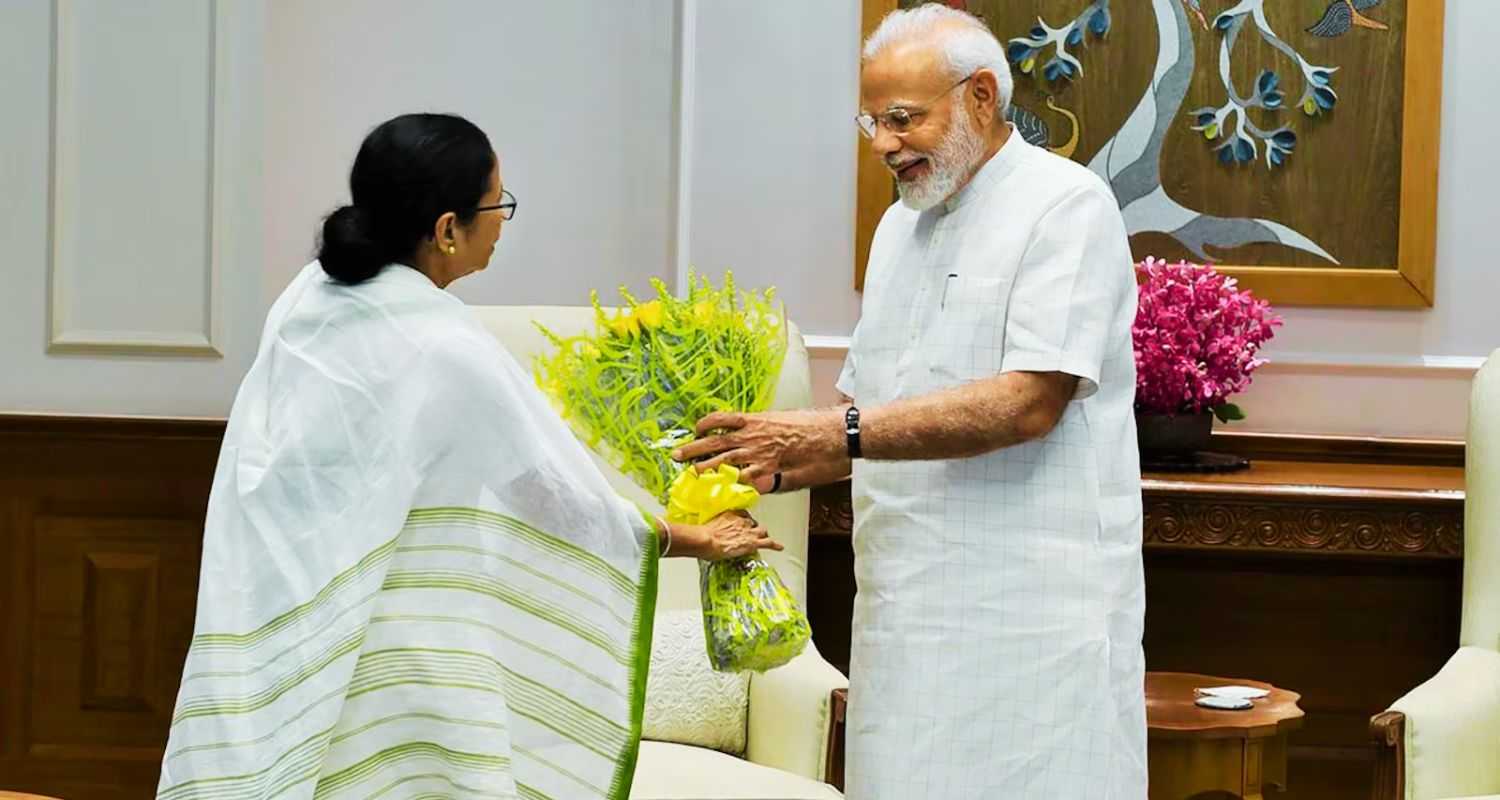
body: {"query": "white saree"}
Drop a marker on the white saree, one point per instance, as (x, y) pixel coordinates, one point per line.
(415, 581)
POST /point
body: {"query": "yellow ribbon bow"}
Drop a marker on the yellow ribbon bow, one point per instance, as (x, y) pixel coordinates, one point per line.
(695, 499)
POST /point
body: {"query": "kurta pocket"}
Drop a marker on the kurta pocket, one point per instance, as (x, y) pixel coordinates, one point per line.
(967, 338)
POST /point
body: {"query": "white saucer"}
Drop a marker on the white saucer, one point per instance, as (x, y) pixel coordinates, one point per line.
(1224, 703)
(1234, 692)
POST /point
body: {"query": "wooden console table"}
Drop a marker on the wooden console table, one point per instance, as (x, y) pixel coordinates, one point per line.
(1332, 565)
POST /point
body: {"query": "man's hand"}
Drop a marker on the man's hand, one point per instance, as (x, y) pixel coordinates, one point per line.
(809, 447)
(762, 445)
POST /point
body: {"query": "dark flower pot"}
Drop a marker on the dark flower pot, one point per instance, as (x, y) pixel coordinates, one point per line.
(1180, 434)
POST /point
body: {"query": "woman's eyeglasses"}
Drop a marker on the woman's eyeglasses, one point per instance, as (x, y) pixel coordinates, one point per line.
(506, 206)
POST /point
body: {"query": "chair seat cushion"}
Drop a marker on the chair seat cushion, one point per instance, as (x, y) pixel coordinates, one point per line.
(678, 772)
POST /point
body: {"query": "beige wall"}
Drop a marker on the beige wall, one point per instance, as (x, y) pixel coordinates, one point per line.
(183, 183)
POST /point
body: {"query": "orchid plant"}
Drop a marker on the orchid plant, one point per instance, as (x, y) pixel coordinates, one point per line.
(1196, 339)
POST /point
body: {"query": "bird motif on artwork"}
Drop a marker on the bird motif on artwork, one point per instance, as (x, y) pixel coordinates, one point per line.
(1035, 131)
(1344, 15)
(1192, 5)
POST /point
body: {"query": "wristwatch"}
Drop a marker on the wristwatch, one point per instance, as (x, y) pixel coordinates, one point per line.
(851, 431)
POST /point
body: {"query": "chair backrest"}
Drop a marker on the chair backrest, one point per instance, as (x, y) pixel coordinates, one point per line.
(1481, 610)
(784, 515)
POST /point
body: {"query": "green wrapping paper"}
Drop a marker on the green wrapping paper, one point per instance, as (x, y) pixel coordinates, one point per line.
(750, 619)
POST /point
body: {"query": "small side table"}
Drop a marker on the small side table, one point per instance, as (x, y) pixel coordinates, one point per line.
(1191, 750)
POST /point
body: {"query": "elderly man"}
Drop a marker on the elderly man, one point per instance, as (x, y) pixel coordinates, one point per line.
(997, 630)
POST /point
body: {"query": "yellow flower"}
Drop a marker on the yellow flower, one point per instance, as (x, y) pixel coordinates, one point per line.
(650, 314)
(703, 312)
(625, 324)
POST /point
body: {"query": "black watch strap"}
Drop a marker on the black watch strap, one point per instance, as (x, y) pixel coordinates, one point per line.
(851, 431)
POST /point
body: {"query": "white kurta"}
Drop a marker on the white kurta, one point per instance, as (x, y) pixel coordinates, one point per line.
(997, 629)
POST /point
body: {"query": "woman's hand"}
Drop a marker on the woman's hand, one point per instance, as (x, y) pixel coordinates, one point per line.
(728, 535)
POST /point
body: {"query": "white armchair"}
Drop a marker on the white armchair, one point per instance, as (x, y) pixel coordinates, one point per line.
(1442, 740)
(789, 736)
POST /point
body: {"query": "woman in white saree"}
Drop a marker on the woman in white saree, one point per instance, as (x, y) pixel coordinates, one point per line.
(415, 583)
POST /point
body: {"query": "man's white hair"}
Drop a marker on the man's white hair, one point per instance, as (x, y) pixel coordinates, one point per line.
(968, 46)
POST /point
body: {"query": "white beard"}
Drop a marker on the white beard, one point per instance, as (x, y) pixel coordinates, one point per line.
(953, 161)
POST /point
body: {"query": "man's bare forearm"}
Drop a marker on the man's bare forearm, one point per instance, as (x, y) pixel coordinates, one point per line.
(968, 420)
(821, 473)
(831, 469)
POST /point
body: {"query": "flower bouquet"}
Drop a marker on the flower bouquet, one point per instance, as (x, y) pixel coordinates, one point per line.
(632, 390)
(1196, 338)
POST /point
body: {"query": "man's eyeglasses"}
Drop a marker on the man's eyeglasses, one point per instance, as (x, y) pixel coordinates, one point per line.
(506, 206)
(898, 120)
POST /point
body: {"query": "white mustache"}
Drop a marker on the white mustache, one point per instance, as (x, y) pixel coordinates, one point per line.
(903, 164)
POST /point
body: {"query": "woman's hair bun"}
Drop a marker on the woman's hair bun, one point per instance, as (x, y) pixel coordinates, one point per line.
(349, 251)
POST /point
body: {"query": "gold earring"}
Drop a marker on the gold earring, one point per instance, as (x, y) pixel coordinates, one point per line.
(452, 249)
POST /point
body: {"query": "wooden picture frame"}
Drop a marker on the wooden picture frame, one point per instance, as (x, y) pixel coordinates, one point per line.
(1406, 283)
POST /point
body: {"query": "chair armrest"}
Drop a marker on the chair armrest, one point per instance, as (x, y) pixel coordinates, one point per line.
(1440, 740)
(1388, 733)
(791, 715)
(834, 774)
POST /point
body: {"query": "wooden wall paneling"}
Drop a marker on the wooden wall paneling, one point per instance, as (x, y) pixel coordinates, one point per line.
(103, 538)
(1350, 635)
(830, 594)
(1332, 568)
(15, 627)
